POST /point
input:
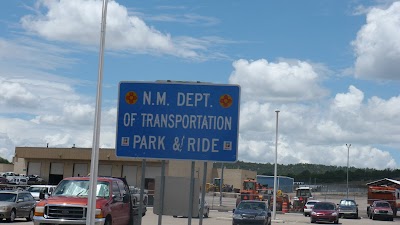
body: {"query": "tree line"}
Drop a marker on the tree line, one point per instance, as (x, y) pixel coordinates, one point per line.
(4, 161)
(316, 173)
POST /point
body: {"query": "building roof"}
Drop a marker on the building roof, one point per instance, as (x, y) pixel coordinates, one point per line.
(384, 181)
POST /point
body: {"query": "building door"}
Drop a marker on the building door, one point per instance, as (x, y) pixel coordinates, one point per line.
(56, 173)
(149, 184)
(80, 169)
(34, 168)
(130, 173)
(105, 171)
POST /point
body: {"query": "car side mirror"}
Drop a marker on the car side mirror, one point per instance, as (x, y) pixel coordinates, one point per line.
(42, 195)
(126, 198)
(20, 200)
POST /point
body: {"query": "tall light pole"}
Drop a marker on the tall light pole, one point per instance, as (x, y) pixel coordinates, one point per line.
(348, 156)
(276, 167)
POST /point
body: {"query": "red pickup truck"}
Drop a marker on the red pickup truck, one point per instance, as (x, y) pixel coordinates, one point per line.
(68, 203)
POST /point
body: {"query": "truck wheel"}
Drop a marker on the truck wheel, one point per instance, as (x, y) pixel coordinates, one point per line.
(108, 221)
(12, 216)
(30, 217)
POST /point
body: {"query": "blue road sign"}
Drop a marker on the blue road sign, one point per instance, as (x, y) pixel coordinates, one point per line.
(167, 120)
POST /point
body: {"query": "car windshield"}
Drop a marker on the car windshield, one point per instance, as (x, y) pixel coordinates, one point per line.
(7, 197)
(80, 188)
(347, 203)
(251, 205)
(37, 189)
(382, 204)
(324, 206)
(311, 203)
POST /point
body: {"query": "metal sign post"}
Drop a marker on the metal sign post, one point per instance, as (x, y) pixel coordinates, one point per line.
(203, 193)
(96, 132)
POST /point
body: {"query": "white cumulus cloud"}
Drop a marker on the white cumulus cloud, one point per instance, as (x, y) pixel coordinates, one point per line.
(79, 21)
(261, 80)
(377, 46)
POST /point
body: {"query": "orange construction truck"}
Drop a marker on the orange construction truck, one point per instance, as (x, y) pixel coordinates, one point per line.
(386, 193)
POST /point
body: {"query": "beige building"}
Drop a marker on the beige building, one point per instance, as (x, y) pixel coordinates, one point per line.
(235, 177)
(54, 164)
(6, 167)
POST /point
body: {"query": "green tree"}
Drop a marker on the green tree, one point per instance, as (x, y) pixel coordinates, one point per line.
(3, 160)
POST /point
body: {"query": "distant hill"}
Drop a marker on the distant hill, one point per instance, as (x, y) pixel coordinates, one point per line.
(310, 173)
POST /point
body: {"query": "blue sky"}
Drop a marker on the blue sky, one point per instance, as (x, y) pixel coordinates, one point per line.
(331, 67)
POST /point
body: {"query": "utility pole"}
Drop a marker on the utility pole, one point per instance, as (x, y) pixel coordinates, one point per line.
(348, 156)
(276, 167)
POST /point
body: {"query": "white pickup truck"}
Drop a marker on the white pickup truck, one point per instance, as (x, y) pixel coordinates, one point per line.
(135, 197)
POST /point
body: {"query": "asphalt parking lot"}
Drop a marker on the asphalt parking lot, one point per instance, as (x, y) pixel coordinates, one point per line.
(225, 218)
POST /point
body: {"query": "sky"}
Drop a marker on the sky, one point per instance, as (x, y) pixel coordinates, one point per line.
(330, 67)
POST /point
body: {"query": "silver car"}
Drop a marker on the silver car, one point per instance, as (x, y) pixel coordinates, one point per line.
(16, 204)
(348, 208)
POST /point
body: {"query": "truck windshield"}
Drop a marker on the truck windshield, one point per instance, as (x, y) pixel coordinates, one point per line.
(303, 193)
(249, 185)
(80, 188)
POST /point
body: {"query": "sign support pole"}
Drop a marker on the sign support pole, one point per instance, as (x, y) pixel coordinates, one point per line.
(220, 185)
(203, 193)
(142, 190)
(191, 193)
(162, 186)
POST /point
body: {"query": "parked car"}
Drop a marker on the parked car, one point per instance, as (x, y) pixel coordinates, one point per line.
(348, 208)
(16, 204)
(35, 179)
(324, 211)
(19, 181)
(135, 198)
(3, 180)
(308, 207)
(35, 190)
(252, 212)
(381, 209)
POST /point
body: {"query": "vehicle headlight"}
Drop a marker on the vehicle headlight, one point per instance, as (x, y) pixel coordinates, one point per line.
(334, 214)
(39, 211)
(5, 208)
(98, 214)
(237, 216)
(376, 211)
(313, 213)
(390, 212)
(260, 218)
